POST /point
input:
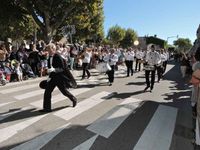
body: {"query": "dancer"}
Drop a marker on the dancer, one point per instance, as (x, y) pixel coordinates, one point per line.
(60, 77)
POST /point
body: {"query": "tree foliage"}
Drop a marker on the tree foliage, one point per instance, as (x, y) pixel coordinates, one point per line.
(183, 44)
(129, 38)
(88, 20)
(116, 34)
(15, 22)
(51, 15)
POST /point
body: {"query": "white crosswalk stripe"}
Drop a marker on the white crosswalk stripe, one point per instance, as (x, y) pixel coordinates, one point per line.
(8, 114)
(10, 131)
(107, 124)
(83, 106)
(157, 134)
(29, 94)
(38, 142)
(87, 144)
(18, 88)
(59, 97)
(7, 103)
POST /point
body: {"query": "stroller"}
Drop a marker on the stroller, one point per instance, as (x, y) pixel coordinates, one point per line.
(27, 71)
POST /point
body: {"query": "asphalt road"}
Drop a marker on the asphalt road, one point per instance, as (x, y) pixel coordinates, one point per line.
(117, 117)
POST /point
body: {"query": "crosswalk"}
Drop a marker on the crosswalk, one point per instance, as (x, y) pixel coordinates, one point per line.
(95, 123)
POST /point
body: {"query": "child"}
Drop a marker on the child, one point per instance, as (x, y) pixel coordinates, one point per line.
(18, 71)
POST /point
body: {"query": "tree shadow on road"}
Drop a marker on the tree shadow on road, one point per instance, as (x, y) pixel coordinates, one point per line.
(24, 114)
(136, 83)
(124, 95)
(181, 90)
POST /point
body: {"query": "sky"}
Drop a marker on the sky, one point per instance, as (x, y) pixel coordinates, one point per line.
(164, 18)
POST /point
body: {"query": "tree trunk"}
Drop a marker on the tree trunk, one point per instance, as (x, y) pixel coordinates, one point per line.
(48, 31)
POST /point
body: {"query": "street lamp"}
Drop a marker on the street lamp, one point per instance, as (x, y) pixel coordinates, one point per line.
(136, 43)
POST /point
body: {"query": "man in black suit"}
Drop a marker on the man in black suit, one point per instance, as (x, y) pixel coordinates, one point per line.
(60, 77)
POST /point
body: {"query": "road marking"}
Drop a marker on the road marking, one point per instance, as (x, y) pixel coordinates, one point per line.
(19, 88)
(3, 104)
(83, 106)
(60, 97)
(10, 131)
(87, 144)
(29, 94)
(40, 141)
(109, 122)
(29, 81)
(8, 114)
(158, 133)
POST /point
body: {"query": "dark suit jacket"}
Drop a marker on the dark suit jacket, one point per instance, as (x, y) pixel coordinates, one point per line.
(66, 76)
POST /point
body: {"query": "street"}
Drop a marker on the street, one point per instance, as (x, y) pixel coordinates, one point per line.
(117, 117)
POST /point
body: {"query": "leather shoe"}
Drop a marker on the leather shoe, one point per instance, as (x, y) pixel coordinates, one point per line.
(74, 103)
(45, 110)
(146, 88)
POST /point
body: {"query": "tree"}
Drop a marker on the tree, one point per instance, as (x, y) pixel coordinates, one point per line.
(88, 20)
(129, 38)
(51, 15)
(15, 22)
(116, 34)
(183, 44)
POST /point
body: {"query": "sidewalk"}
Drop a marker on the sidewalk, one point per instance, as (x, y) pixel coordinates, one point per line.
(183, 135)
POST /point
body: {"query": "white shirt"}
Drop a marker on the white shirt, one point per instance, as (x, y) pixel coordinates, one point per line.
(163, 57)
(111, 59)
(87, 57)
(153, 58)
(129, 55)
(139, 54)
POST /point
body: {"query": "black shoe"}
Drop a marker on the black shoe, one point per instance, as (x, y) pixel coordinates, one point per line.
(151, 89)
(146, 88)
(88, 76)
(45, 110)
(74, 103)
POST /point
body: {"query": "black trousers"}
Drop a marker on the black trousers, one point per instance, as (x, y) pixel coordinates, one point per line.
(138, 64)
(56, 80)
(111, 74)
(35, 68)
(159, 70)
(129, 65)
(147, 73)
(164, 66)
(85, 69)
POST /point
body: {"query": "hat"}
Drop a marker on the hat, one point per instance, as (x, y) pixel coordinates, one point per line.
(43, 84)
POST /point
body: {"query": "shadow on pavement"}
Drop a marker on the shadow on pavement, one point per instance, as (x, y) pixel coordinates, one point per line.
(32, 112)
(136, 83)
(126, 135)
(181, 89)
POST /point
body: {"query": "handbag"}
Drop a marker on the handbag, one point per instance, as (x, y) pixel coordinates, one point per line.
(103, 67)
